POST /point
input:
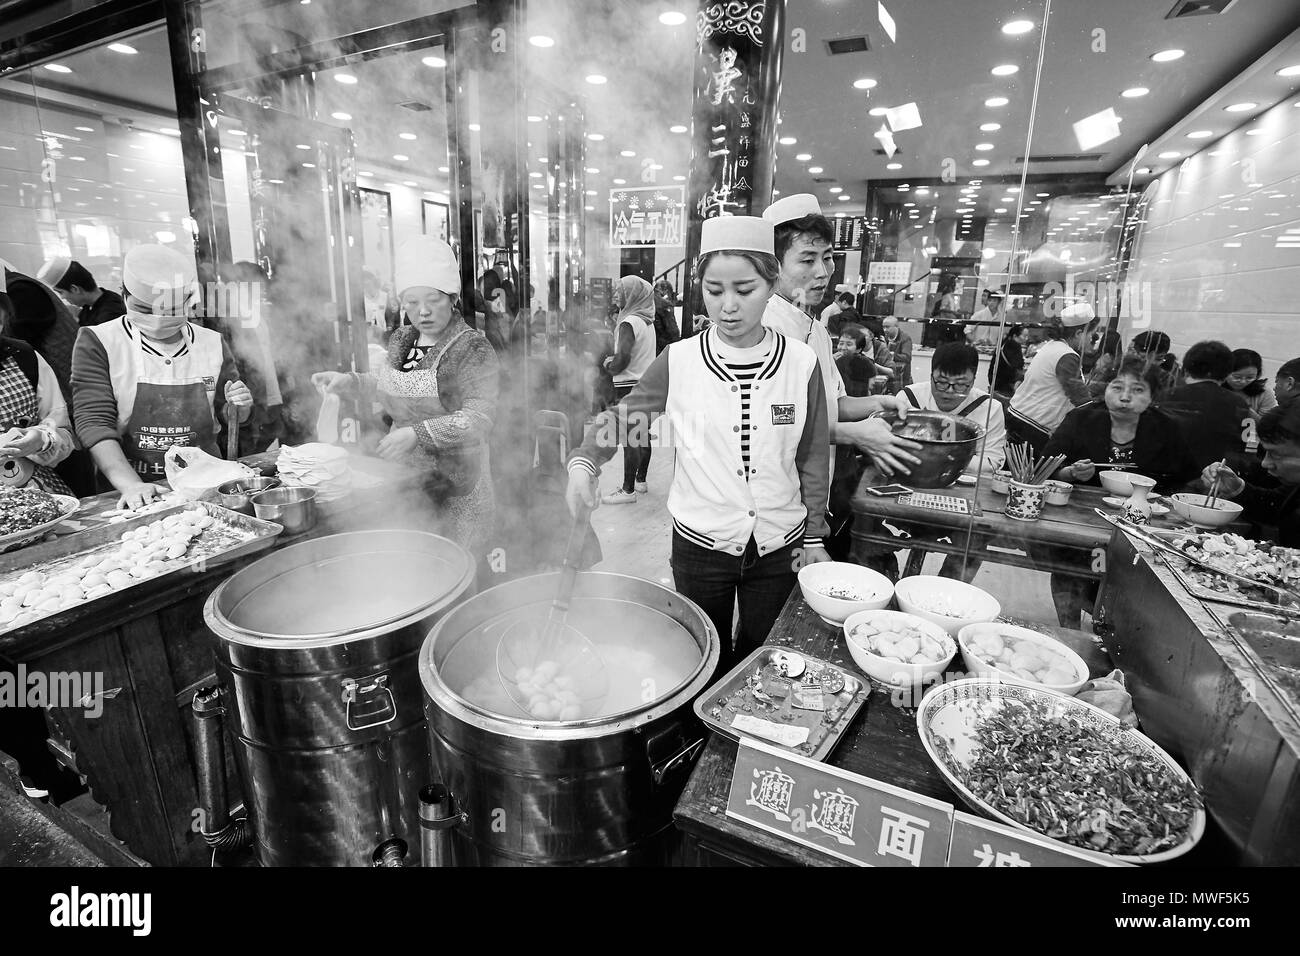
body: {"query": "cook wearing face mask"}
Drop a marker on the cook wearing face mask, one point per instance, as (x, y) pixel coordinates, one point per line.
(152, 379)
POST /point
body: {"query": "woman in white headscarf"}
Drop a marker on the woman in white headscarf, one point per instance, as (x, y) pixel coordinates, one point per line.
(439, 388)
(634, 350)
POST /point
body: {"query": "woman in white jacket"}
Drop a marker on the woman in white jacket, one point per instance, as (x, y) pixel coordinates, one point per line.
(746, 413)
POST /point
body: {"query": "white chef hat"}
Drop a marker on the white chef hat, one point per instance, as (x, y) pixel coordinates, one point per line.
(1080, 313)
(736, 233)
(160, 276)
(426, 261)
(793, 207)
(53, 271)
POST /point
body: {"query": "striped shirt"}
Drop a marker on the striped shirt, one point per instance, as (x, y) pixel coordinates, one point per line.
(744, 365)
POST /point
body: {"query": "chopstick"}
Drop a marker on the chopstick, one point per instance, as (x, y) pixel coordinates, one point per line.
(1216, 484)
(1027, 469)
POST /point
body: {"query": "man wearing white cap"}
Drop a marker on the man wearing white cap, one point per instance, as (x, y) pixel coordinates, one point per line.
(1053, 382)
(744, 410)
(152, 379)
(73, 281)
(439, 386)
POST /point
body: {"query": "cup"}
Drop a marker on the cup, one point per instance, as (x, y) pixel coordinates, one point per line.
(1025, 501)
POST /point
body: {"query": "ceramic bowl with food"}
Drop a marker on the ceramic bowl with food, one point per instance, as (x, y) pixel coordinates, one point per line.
(1018, 655)
(897, 649)
(1119, 482)
(1058, 492)
(1195, 508)
(945, 602)
(836, 589)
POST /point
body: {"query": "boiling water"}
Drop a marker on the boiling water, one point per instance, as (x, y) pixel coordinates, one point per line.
(346, 593)
(647, 656)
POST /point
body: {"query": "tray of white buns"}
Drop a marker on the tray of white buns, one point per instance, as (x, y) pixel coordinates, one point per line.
(70, 574)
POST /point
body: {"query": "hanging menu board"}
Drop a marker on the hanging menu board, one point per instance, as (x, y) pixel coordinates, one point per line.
(848, 233)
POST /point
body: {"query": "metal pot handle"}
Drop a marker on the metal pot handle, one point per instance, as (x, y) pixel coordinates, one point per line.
(373, 691)
(659, 771)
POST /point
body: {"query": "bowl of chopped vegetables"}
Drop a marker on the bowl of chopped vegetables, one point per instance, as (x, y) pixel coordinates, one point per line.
(897, 649)
(836, 589)
(1059, 767)
(950, 604)
(1021, 656)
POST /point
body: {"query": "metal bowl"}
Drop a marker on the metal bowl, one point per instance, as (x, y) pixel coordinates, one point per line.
(236, 495)
(294, 509)
(948, 443)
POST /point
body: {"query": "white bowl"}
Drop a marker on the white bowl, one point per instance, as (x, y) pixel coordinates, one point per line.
(886, 670)
(1058, 492)
(998, 483)
(1192, 507)
(916, 594)
(1119, 483)
(874, 589)
(976, 666)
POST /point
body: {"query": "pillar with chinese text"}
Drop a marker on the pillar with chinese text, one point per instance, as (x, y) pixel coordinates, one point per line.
(738, 48)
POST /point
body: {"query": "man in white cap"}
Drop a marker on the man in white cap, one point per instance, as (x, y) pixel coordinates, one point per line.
(73, 281)
(152, 379)
(1053, 381)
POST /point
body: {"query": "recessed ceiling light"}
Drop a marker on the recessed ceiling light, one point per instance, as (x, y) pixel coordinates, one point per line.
(58, 68)
(1239, 107)
(341, 116)
(406, 136)
(123, 48)
(990, 127)
(1170, 154)
(84, 129)
(308, 165)
(836, 189)
(677, 129)
(814, 170)
(787, 141)
(843, 198)
(866, 83)
(541, 40)
(589, 208)
(1254, 132)
(803, 157)
(347, 79)
(620, 182)
(400, 157)
(1006, 69)
(534, 119)
(1043, 195)
(993, 102)
(907, 204)
(679, 179)
(436, 62)
(1134, 92)
(535, 174)
(672, 18)
(1289, 70)
(592, 170)
(595, 137)
(1200, 134)
(983, 147)
(597, 79)
(979, 162)
(894, 166)
(474, 127)
(592, 192)
(1144, 171)
(628, 153)
(1000, 209)
(878, 111)
(1167, 56)
(443, 169)
(303, 146)
(1016, 27)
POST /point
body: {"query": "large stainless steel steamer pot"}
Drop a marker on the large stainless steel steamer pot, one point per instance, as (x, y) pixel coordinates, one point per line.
(317, 650)
(597, 791)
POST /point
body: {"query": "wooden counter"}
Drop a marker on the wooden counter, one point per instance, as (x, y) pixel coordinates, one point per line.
(153, 649)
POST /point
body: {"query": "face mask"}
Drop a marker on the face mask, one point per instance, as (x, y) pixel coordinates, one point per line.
(156, 327)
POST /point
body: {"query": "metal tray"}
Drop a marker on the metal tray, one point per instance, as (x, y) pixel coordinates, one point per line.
(233, 536)
(712, 707)
(1224, 597)
(1258, 634)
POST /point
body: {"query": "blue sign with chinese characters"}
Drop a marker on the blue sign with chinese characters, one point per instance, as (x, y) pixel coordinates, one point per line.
(849, 817)
(979, 842)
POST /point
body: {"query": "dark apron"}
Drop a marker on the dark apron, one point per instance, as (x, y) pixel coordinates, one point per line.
(166, 415)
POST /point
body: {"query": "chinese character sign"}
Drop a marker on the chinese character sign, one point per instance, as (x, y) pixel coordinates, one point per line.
(982, 843)
(647, 214)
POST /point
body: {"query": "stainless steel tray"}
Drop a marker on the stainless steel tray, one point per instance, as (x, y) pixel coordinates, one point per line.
(732, 698)
(231, 537)
(1225, 597)
(1271, 643)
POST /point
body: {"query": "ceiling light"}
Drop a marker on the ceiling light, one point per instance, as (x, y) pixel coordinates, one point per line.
(1200, 134)
(592, 192)
(347, 79)
(990, 127)
(866, 83)
(1167, 56)
(443, 169)
(1000, 209)
(128, 50)
(1043, 195)
(1035, 202)
(1016, 27)
(535, 174)
(620, 182)
(837, 189)
(595, 137)
(409, 182)
(656, 166)
(58, 68)
(1170, 154)
(365, 172)
(1239, 107)
(436, 62)
(341, 116)
(597, 79)
(908, 204)
(474, 127)
(592, 170)
(534, 119)
(894, 166)
(1255, 132)
(541, 40)
(1134, 92)
(589, 208)
(787, 141)
(1285, 71)
(303, 146)
(1006, 69)
(979, 162)
(679, 179)
(983, 147)
(995, 101)
(677, 129)
(628, 153)
(803, 157)
(672, 18)
(400, 157)
(878, 111)
(844, 198)
(1144, 171)
(84, 129)
(814, 170)
(308, 165)
(406, 136)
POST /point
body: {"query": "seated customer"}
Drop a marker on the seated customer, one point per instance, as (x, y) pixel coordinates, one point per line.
(855, 363)
(1275, 510)
(1154, 348)
(1214, 419)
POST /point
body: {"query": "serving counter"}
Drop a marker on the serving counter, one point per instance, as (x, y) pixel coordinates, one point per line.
(153, 650)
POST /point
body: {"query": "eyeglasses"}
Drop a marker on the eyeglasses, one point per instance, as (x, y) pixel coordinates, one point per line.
(957, 388)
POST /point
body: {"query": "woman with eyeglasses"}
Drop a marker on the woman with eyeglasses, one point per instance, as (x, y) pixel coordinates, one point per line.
(152, 379)
(1246, 381)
